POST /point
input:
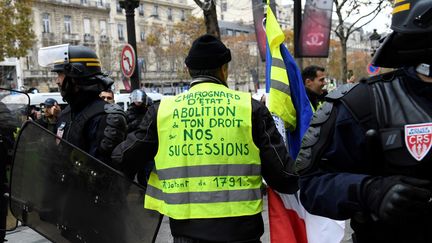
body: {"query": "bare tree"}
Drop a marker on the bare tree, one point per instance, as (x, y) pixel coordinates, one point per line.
(351, 16)
(242, 60)
(184, 33)
(210, 16)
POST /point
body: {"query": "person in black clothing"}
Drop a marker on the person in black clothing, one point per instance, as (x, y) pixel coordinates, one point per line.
(366, 156)
(35, 113)
(8, 125)
(135, 114)
(92, 125)
(208, 65)
(137, 109)
(49, 116)
(86, 118)
(314, 79)
(108, 96)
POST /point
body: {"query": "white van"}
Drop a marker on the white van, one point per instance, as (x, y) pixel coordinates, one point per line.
(39, 98)
(123, 99)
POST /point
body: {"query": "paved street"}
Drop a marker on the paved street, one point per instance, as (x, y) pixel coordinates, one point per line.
(26, 235)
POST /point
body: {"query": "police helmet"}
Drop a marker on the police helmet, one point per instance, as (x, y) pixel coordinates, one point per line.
(139, 95)
(410, 43)
(412, 16)
(74, 61)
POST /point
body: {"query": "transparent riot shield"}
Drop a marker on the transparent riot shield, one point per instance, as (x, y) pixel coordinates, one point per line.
(13, 112)
(69, 196)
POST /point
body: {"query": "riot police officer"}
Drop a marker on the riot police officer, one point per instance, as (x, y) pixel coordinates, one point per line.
(137, 109)
(8, 125)
(88, 122)
(92, 125)
(366, 155)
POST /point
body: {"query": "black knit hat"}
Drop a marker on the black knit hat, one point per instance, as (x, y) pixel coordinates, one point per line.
(207, 52)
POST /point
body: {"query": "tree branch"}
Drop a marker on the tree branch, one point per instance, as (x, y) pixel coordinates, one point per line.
(199, 3)
(372, 13)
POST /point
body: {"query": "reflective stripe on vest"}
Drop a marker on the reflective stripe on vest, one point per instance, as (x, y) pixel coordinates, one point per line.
(207, 165)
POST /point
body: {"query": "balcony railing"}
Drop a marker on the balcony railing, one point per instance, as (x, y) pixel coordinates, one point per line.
(38, 74)
(70, 37)
(103, 39)
(89, 3)
(48, 36)
(49, 39)
(88, 38)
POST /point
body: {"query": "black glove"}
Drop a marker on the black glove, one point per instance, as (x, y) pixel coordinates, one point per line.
(396, 199)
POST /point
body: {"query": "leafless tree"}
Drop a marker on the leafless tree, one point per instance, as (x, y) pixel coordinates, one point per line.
(351, 16)
(210, 16)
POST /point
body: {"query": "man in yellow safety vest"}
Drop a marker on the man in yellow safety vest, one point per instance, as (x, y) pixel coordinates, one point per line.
(212, 146)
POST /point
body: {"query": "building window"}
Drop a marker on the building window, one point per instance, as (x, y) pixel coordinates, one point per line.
(86, 25)
(170, 38)
(100, 3)
(46, 23)
(224, 6)
(172, 65)
(155, 11)
(169, 14)
(183, 15)
(142, 35)
(84, 2)
(141, 9)
(102, 27)
(120, 32)
(68, 24)
(118, 8)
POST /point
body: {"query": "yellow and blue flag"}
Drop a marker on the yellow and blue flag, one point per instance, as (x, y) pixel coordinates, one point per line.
(287, 95)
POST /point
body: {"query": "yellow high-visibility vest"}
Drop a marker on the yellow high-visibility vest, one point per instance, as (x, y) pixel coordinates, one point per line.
(207, 165)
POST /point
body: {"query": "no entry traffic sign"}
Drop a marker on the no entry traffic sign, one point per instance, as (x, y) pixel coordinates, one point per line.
(127, 60)
(372, 70)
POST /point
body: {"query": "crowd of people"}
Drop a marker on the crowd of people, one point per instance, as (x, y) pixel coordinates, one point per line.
(203, 155)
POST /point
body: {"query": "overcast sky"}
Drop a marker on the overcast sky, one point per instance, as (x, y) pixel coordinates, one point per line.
(381, 22)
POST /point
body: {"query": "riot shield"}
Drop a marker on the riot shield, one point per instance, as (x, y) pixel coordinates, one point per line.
(68, 196)
(13, 112)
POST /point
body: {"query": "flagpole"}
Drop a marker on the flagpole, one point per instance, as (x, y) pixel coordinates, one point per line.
(297, 28)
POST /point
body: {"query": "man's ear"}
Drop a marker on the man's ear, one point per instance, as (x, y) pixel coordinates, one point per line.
(308, 82)
(224, 72)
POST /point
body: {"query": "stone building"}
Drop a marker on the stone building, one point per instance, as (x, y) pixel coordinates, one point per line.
(101, 25)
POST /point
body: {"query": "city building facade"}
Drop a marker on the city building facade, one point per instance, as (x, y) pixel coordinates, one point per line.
(101, 25)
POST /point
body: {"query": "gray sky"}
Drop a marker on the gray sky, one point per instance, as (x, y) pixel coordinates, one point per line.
(381, 22)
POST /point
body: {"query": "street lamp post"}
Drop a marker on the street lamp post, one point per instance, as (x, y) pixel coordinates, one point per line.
(130, 6)
(374, 41)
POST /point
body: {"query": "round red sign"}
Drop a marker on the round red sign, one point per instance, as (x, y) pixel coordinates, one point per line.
(127, 60)
(372, 70)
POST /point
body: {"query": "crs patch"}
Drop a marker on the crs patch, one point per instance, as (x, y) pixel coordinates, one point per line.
(418, 139)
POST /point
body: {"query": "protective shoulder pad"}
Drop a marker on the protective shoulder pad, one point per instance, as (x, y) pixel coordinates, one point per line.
(322, 114)
(316, 137)
(113, 108)
(340, 92)
(312, 135)
(115, 130)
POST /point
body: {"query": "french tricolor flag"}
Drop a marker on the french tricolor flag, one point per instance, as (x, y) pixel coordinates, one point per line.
(289, 221)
